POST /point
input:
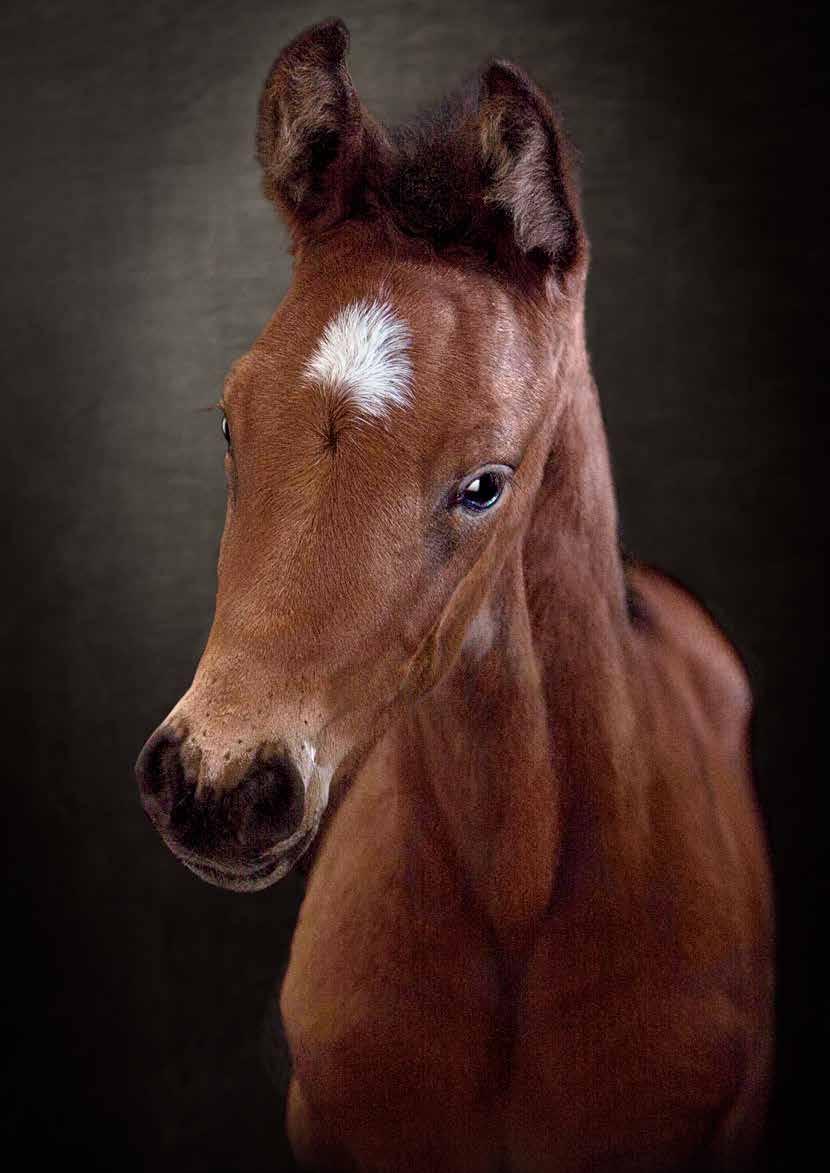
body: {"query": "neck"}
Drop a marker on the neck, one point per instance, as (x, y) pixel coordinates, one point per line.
(534, 706)
(482, 738)
(575, 582)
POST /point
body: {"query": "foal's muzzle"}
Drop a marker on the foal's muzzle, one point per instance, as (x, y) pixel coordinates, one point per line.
(227, 836)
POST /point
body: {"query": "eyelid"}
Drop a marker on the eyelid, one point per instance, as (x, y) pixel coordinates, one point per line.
(505, 471)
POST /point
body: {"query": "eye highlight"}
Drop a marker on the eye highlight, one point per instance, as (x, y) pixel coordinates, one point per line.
(226, 430)
(483, 488)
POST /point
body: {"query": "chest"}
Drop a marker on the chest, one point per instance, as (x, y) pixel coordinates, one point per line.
(392, 1003)
(406, 1037)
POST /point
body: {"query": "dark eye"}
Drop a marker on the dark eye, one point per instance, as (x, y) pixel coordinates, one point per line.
(226, 430)
(482, 490)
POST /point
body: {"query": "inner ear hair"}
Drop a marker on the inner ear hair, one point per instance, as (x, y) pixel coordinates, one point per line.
(526, 172)
(313, 135)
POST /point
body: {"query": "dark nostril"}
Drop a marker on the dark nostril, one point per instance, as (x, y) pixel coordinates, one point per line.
(271, 801)
(159, 770)
(262, 810)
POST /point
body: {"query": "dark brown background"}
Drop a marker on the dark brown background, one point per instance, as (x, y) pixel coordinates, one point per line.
(138, 261)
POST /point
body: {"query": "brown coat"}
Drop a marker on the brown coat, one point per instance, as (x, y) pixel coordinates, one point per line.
(537, 933)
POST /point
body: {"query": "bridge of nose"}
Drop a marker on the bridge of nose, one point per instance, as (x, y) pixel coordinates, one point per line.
(239, 707)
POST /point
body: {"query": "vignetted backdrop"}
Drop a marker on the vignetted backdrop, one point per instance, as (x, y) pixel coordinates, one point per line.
(139, 260)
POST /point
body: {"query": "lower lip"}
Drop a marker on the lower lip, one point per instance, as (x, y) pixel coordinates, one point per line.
(258, 877)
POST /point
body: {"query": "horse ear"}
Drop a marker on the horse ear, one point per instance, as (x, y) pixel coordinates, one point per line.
(314, 141)
(525, 174)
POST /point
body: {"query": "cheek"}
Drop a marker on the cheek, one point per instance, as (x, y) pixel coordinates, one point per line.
(230, 478)
(224, 540)
(442, 542)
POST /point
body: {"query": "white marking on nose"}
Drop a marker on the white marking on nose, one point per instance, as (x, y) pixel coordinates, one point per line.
(364, 349)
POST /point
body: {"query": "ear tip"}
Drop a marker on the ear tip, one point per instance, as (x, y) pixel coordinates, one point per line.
(335, 33)
(322, 46)
(500, 76)
(328, 38)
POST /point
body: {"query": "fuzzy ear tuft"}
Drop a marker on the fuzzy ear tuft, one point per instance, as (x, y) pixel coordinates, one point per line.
(525, 171)
(314, 140)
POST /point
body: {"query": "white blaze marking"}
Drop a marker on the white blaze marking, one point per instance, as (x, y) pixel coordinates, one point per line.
(364, 348)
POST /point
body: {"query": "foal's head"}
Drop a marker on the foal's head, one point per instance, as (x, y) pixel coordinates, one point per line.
(385, 438)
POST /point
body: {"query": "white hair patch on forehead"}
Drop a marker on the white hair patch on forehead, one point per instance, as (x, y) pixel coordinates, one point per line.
(364, 349)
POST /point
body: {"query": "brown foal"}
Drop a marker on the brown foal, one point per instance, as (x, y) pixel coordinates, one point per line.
(537, 928)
